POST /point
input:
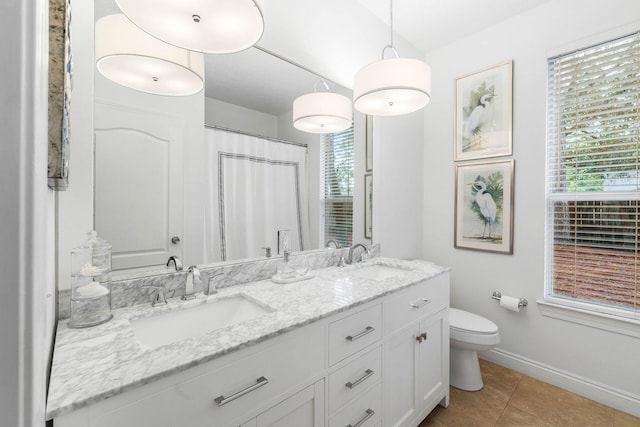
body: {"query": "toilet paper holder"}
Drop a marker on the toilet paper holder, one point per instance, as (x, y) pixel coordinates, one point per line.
(522, 302)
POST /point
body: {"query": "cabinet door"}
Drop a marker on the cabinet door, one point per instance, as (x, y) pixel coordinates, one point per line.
(303, 409)
(400, 379)
(433, 355)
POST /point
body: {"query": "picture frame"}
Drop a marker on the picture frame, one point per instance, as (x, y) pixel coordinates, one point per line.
(60, 82)
(369, 142)
(368, 206)
(483, 113)
(484, 206)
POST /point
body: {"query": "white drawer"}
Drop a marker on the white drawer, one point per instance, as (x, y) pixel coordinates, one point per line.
(353, 379)
(253, 380)
(416, 302)
(353, 333)
(366, 409)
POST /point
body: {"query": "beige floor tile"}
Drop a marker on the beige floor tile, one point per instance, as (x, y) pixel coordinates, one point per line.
(514, 417)
(467, 409)
(499, 382)
(435, 418)
(559, 407)
(625, 420)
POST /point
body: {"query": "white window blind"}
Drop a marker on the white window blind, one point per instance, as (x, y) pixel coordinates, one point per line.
(593, 181)
(337, 191)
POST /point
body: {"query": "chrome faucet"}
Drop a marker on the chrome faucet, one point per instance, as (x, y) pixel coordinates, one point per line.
(338, 246)
(333, 242)
(212, 288)
(176, 262)
(361, 257)
(193, 278)
(157, 297)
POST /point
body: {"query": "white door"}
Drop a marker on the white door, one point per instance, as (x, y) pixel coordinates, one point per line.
(138, 195)
(400, 377)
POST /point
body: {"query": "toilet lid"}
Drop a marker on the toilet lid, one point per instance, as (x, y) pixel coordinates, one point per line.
(469, 322)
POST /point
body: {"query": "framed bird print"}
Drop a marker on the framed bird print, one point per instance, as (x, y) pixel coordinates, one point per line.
(484, 206)
(483, 113)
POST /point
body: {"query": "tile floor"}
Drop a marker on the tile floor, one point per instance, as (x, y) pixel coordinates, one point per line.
(510, 398)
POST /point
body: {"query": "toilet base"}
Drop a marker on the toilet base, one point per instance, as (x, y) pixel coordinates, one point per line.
(465, 370)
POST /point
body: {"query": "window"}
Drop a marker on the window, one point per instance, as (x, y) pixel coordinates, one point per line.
(337, 191)
(593, 180)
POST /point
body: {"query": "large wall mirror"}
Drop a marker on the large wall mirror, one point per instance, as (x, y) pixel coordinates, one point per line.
(157, 181)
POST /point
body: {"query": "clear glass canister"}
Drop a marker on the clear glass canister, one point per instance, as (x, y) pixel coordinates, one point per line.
(90, 282)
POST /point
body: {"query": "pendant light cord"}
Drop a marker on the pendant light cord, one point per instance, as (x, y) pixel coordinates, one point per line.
(390, 45)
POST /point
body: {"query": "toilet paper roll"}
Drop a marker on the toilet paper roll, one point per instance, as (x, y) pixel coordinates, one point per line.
(510, 303)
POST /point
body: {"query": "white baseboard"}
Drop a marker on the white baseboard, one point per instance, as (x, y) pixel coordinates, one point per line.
(601, 393)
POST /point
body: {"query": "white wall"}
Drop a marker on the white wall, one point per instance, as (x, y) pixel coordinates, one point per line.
(602, 365)
(223, 114)
(26, 235)
(398, 147)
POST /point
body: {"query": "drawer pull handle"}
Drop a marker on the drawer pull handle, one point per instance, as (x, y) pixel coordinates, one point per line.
(420, 303)
(357, 382)
(221, 400)
(367, 330)
(422, 337)
(369, 413)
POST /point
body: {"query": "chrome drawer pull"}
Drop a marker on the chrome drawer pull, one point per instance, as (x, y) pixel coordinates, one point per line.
(367, 330)
(357, 382)
(364, 419)
(420, 303)
(221, 400)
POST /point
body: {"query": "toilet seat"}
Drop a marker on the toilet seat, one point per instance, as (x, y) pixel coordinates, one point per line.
(464, 321)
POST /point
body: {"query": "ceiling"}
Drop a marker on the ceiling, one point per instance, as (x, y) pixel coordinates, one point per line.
(262, 82)
(430, 24)
(425, 24)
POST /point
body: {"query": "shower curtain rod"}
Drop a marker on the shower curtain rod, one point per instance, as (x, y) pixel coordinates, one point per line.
(268, 138)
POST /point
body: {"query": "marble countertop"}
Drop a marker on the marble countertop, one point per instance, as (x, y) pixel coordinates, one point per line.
(95, 363)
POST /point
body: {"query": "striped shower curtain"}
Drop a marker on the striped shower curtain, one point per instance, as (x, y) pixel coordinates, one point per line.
(255, 187)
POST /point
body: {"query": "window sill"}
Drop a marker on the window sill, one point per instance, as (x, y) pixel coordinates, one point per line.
(604, 321)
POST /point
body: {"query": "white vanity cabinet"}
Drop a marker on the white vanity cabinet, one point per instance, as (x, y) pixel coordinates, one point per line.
(218, 392)
(416, 352)
(355, 393)
(303, 409)
(381, 363)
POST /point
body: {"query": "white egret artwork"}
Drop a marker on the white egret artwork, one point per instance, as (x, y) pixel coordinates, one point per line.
(483, 113)
(484, 206)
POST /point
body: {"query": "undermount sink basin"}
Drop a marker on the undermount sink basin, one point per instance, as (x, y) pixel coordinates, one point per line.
(172, 326)
(378, 272)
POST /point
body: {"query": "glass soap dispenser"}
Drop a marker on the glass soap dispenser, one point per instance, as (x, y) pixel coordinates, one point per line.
(90, 282)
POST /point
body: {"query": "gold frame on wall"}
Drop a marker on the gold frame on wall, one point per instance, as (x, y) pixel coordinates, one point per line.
(368, 206)
(369, 142)
(59, 93)
(483, 113)
(484, 206)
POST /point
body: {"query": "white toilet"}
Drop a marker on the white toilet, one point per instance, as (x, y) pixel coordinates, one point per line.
(469, 333)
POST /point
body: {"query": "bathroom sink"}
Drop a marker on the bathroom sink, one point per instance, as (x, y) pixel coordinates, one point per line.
(172, 326)
(378, 272)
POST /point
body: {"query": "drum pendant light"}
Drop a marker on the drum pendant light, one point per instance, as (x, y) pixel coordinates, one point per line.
(128, 56)
(322, 112)
(391, 87)
(209, 26)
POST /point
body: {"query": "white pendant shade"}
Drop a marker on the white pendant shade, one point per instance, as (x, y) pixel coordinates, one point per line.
(322, 112)
(210, 26)
(132, 58)
(391, 87)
